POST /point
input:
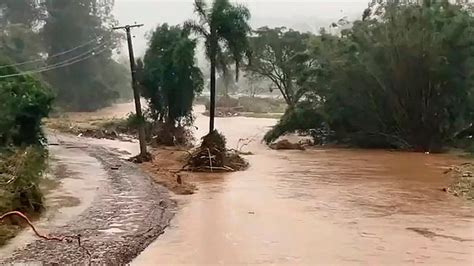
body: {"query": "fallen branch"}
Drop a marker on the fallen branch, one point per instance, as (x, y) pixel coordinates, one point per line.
(210, 159)
(68, 239)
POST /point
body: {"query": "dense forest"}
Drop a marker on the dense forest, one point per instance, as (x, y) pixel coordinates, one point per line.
(68, 45)
(401, 77)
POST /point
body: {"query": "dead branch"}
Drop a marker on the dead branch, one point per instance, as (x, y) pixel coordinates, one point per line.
(210, 159)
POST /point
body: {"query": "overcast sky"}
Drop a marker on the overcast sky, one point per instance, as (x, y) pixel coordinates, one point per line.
(303, 15)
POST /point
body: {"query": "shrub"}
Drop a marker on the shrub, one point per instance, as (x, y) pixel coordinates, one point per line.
(24, 101)
(304, 118)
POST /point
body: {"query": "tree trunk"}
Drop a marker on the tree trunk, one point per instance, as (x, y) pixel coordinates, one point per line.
(212, 108)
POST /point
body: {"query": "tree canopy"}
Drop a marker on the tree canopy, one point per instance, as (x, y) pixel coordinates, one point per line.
(169, 77)
(71, 44)
(24, 101)
(400, 77)
(224, 28)
(278, 55)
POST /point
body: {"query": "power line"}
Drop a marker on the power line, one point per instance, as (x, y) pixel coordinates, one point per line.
(144, 156)
(53, 56)
(91, 51)
(80, 55)
(56, 66)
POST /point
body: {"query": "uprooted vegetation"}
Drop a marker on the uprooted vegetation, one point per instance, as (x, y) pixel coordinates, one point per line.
(227, 106)
(125, 129)
(20, 175)
(463, 185)
(102, 128)
(213, 156)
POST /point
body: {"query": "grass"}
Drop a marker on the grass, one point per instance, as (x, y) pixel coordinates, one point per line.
(20, 174)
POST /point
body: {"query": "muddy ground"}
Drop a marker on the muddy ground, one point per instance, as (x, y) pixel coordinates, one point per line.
(127, 213)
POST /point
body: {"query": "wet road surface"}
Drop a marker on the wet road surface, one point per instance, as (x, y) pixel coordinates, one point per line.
(114, 207)
(320, 206)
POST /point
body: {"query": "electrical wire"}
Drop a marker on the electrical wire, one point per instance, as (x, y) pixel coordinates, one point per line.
(79, 56)
(56, 66)
(53, 56)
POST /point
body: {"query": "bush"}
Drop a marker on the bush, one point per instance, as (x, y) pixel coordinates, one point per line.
(20, 173)
(401, 77)
(304, 118)
(24, 101)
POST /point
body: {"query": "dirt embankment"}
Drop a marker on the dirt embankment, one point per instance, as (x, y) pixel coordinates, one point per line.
(166, 170)
(463, 185)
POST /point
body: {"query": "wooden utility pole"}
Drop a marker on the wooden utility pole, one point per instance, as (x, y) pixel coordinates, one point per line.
(136, 93)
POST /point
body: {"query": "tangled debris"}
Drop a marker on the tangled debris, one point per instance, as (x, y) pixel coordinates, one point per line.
(286, 145)
(463, 186)
(213, 156)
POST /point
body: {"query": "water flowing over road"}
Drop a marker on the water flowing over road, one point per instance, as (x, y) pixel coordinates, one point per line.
(324, 206)
(319, 206)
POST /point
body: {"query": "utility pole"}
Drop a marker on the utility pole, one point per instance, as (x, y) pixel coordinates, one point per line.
(136, 94)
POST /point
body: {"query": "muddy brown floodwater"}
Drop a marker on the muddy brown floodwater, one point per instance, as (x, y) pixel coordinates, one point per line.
(320, 206)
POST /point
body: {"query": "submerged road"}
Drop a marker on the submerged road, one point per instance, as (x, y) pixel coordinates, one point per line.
(319, 206)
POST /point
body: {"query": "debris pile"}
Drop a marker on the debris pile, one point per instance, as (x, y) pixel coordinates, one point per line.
(213, 156)
(463, 185)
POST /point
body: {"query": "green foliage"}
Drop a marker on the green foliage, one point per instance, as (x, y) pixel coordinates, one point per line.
(31, 29)
(224, 28)
(169, 76)
(92, 83)
(19, 43)
(25, 12)
(403, 77)
(18, 40)
(278, 55)
(20, 173)
(24, 101)
(303, 118)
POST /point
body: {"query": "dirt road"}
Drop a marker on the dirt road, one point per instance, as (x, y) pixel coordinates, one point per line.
(106, 200)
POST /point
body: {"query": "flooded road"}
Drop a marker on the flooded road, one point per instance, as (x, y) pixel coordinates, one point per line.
(320, 206)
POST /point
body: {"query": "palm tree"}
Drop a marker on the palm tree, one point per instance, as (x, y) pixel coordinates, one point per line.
(224, 28)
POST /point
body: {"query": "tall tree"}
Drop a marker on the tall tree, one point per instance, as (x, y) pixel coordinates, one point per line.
(19, 39)
(170, 77)
(26, 12)
(88, 84)
(224, 27)
(401, 77)
(279, 55)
